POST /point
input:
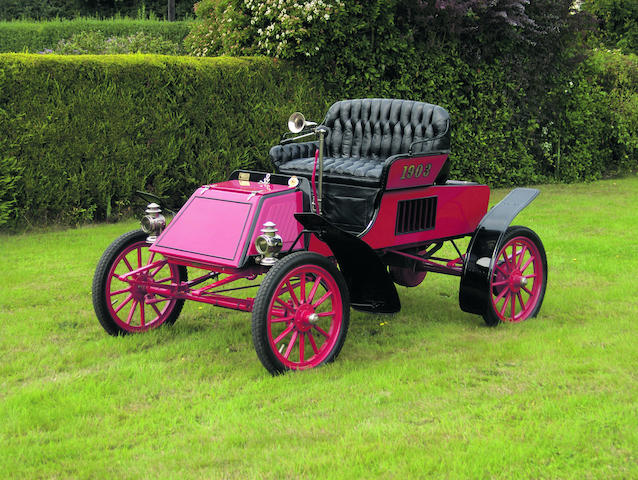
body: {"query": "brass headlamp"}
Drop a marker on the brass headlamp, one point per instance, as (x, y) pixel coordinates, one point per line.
(268, 244)
(153, 222)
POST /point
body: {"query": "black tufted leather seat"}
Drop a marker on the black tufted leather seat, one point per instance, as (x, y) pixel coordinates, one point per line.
(364, 136)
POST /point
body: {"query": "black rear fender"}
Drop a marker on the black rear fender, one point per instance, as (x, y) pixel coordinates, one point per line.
(485, 243)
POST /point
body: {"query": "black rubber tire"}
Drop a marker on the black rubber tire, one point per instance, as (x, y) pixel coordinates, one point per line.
(100, 280)
(268, 289)
(490, 317)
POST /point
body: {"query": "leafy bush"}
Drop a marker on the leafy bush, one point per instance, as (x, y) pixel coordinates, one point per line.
(87, 131)
(23, 36)
(618, 22)
(95, 43)
(285, 30)
(500, 68)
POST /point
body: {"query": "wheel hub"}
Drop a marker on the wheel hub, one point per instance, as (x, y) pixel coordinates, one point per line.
(139, 290)
(517, 281)
(305, 317)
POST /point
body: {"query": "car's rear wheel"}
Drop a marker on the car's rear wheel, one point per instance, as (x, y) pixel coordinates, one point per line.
(519, 278)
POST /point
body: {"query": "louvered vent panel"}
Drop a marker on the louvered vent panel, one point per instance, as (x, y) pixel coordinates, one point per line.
(416, 215)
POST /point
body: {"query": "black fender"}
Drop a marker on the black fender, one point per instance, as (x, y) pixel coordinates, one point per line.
(369, 284)
(485, 243)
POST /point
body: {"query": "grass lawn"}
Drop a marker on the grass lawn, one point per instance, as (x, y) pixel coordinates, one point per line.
(428, 392)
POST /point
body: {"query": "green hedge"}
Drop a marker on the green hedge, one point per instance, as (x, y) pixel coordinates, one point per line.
(20, 36)
(81, 133)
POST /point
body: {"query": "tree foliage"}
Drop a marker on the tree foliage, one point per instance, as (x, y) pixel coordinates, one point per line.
(50, 9)
(618, 22)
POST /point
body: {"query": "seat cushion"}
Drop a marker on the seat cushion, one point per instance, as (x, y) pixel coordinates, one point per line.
(356, 171)
(363, 134)
(379, 128)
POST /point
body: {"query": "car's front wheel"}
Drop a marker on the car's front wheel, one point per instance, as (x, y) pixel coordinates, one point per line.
(301, 313)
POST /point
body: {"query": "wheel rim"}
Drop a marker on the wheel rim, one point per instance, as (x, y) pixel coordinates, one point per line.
(305, 317)
(516, 283)
(129, 304)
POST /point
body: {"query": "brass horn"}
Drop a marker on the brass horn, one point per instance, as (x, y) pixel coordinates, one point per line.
(297, 122)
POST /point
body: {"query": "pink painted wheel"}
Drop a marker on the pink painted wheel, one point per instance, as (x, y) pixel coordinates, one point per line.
(519, 278)
(126, 306)
(301, 313)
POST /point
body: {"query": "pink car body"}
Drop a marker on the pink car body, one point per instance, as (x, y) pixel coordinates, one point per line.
(313, 266)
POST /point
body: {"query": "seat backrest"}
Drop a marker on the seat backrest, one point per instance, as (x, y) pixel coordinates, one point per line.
(378, 128)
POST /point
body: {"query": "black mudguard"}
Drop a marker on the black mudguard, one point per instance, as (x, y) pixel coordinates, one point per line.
(369, 284)
(485, 243)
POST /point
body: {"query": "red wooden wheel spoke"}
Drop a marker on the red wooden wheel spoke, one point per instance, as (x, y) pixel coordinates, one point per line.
(321, 331)
(150, 258)
(500, 295)
(157, 310)
(312, 343)
(527, 290)
(293, 340)
(139, 257)
(121, 306)
(527, 264)
(513, 303)
(530, 276)
(282, 303)
(142, 317)
(118, 292)
(131, 312)
(282, 319)
(511, 258)
(325, 297)
(301, 347)
(504, 272)
(504, 307)
(326, 314)
(302, 289)
(128, 265)
(157, 269)
(503, 282)
(520, 299)
(313, 290)
(291, 290)
(521, 256)
(283, 334)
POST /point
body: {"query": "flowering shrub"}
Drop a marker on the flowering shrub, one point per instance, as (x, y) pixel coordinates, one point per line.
(278, 28)
(97, 44)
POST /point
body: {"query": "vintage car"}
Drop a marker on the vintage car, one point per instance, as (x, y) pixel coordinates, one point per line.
(364, 205)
